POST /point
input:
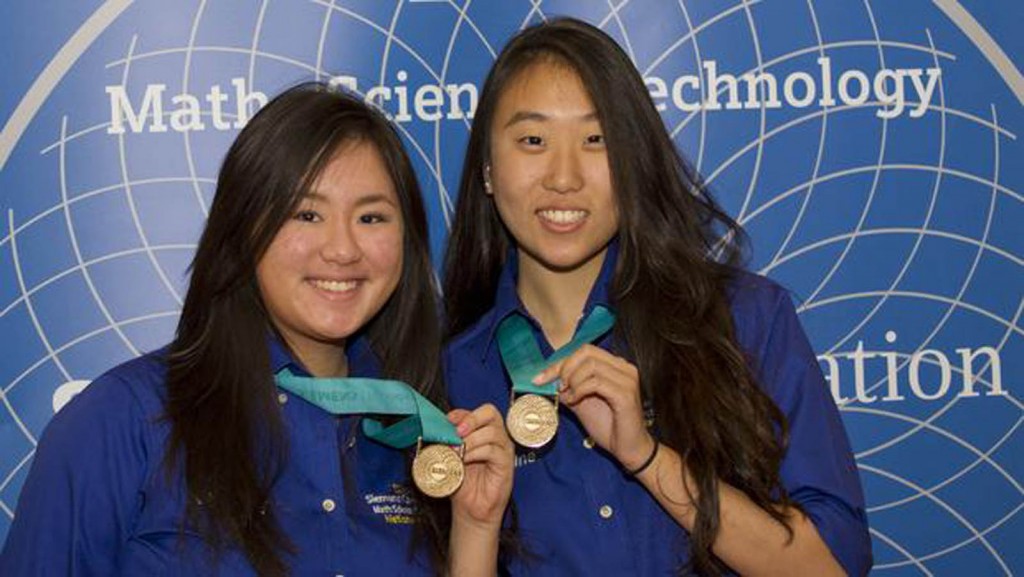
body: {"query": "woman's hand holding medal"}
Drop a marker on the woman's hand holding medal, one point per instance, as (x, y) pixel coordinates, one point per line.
(603, 391)
(489, 457)
(479, 504)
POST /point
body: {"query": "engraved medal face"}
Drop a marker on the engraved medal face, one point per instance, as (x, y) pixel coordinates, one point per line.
(532, 421)
(438, 470)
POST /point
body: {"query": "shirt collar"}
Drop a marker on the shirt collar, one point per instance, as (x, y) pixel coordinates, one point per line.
(507, 301)
(362, 362)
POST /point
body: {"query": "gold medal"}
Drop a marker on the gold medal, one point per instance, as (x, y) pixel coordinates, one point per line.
(532, 421)
(437, 470)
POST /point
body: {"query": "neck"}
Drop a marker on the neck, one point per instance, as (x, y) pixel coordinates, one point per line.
(327, 361)
(556, 297)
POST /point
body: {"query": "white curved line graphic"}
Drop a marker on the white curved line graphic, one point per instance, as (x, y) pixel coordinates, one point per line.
(47, 80)
(985, 43)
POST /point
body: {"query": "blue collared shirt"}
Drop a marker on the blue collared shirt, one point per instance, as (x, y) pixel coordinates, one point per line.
(96, 502)
(581, 514)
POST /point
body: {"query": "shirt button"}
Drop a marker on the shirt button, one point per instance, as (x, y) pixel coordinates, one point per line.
(282, 398)
(588, 442)
(606, 512)
(328, 505)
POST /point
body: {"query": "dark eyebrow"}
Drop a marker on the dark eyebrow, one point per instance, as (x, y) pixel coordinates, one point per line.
(525, 115)
(373, 199)
(370, 198)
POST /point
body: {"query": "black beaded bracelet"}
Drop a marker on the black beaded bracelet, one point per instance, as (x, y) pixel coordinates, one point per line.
(648, 462)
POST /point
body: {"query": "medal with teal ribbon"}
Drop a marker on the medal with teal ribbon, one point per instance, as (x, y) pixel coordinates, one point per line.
(532, 418)
(437, 468)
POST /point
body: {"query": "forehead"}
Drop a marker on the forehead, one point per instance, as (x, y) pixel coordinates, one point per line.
(547, 85)
(355, 169)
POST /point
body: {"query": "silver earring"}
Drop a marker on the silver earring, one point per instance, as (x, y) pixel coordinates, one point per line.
(487, 179)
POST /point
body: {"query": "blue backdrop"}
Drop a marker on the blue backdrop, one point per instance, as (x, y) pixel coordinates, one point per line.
(871, 149)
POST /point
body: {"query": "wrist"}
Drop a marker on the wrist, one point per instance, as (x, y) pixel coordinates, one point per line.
(641, 456)
(473, 548)
(647, 462)
(464, 521)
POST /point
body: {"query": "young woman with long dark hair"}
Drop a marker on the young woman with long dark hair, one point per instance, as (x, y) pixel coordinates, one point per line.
(194, 460)
(697, 434)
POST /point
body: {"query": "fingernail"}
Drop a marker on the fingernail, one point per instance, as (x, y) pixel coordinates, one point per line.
(538, 379)
(462, 429)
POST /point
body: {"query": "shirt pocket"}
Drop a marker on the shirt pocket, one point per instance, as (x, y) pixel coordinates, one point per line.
(170, 552)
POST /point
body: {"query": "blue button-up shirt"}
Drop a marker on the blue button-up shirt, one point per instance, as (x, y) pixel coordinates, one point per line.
(581, 514)
(96, 501)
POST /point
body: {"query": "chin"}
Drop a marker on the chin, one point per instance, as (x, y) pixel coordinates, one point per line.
(338, 332)
(570, 259)
(565, 264)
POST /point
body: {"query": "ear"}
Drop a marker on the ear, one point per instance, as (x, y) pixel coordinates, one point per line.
(487, 180)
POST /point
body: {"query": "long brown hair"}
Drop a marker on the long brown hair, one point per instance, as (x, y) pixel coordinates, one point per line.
(674, 319)
(227, 432)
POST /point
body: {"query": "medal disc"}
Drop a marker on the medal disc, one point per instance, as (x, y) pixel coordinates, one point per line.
(532, 421)
(437, 470)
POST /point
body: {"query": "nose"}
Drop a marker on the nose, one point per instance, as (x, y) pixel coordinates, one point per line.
(341, 246)
(564, 173)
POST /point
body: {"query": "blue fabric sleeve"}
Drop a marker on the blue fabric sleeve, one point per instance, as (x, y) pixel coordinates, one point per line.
(818, 470)
(82, 492)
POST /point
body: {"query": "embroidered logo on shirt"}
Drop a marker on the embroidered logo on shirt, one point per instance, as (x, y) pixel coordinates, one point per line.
(523, 459)
(395, 506)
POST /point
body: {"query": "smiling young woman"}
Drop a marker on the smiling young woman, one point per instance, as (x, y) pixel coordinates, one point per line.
(200, 459)
(698, 433)
(333, 265)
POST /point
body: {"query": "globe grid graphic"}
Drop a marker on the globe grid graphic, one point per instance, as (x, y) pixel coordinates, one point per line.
(927, 221)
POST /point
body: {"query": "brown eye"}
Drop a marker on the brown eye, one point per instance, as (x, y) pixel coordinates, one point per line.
(307, 216)
(372, 218)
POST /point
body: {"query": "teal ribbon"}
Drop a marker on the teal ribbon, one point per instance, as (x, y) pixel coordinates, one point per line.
(351, 396)
(522, 357)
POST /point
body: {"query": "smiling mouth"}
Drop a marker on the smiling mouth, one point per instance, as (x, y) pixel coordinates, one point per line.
(563, 216)
(335, 286)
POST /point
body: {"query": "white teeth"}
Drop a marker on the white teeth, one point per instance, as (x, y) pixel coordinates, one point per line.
(335, 286)
(563, 216)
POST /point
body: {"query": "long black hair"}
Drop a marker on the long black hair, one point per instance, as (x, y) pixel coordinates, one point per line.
(227, 432)
(670, 293)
